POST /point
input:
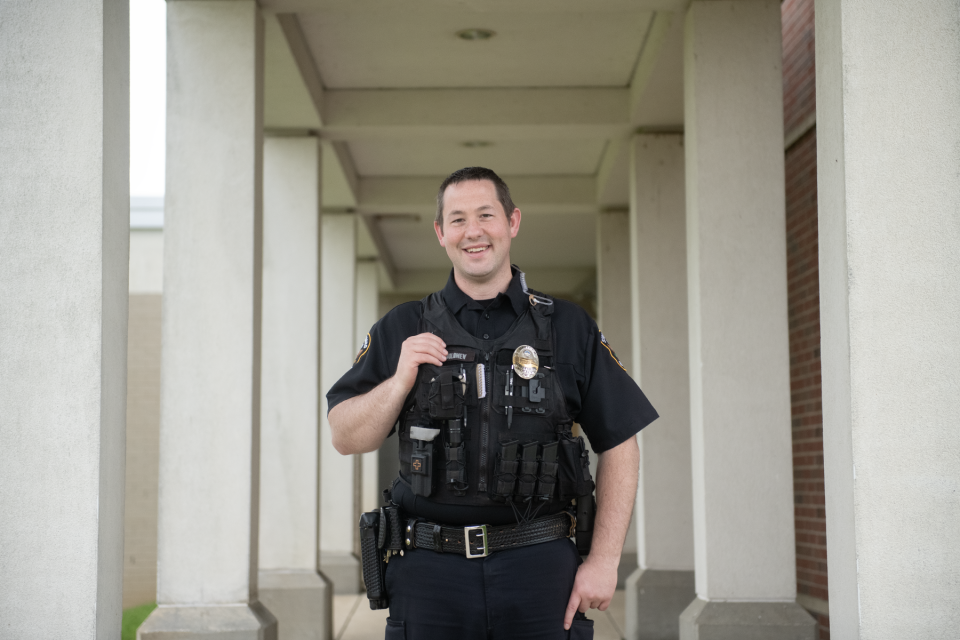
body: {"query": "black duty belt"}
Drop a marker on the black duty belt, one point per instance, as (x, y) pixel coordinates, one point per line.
(479, 541)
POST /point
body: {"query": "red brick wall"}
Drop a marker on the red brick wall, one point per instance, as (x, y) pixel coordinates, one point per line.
(799, 98)
(799, 70)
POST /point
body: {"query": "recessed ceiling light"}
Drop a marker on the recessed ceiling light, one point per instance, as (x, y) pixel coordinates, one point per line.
(475, 34)
(476, 144)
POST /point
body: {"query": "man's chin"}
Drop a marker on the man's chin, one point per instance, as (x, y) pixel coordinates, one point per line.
(477, 272)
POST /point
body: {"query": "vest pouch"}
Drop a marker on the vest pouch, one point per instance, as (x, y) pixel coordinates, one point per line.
(575, 478)
(505, 473)
(547, 477)
(526, 402)
(456, 458)
(527, 481)
(421, 460)
(446, 387)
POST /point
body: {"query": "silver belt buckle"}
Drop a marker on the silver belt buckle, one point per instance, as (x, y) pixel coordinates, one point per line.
(482, 528)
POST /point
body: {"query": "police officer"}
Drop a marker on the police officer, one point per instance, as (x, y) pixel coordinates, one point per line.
(484, 379)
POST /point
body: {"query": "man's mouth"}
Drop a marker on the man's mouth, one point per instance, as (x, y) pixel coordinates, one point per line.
(477, 249)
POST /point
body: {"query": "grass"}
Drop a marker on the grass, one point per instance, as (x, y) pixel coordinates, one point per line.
(133, 618)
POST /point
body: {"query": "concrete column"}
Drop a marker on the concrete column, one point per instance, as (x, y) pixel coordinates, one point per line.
(290, 584)
(367, 313)
(888, 138)
(64, 238)
(737, 292)
(338, 526)
(613, 316)
(663, 585)
(613, 282)
(210, 371)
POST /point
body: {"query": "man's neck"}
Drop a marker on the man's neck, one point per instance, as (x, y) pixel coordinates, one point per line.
(488, 288)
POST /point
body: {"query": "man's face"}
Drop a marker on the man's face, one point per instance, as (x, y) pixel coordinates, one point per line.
(476, 231)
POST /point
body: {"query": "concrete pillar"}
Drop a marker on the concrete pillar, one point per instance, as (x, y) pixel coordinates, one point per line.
(613, 316)
(613, 282)
(290, 584)
(888, 148)
(663, 585)
(737, 292)
(367, 313)
(64, 237)
(210, 371)
(338, 526)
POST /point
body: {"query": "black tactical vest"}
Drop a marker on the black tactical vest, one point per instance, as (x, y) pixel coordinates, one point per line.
(477, 433)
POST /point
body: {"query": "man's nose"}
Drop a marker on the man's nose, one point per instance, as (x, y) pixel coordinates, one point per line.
(473, 229)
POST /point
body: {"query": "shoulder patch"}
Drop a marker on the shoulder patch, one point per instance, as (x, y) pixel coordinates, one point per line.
(363, 349)
(603, 341)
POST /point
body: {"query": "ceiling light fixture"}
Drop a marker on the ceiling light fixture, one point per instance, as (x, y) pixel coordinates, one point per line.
(476, 144)
(475, 34)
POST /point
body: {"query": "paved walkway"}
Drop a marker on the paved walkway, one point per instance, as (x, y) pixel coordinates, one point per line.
(353, 619)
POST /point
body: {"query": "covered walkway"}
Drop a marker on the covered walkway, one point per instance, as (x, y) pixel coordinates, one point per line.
(798, 336)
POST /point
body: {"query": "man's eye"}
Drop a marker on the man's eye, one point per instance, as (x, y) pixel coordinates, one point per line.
(456, 221)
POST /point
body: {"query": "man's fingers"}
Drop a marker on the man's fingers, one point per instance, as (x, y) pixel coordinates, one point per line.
(424, 348)
(572, 607)
(428, 343)
(585, 605)
(428, 338)
(429, 353)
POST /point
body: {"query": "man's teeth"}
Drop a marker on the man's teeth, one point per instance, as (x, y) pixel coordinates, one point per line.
(476, 250)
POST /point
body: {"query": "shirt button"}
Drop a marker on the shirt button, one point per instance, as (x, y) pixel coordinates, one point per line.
(486, 336)
(487, 315)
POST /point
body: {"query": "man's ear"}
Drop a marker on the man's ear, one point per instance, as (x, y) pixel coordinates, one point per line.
(515, 223)
(439, 230)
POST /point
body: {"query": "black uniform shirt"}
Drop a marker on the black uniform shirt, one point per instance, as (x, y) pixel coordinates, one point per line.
(600, 395)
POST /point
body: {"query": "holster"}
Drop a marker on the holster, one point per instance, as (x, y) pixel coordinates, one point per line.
(586, 511)
(372, 534)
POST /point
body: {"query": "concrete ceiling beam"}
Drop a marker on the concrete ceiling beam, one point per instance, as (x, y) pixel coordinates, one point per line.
(488, 6)
(649, 53)
(300, 50)
(656, 89)
(481, 114)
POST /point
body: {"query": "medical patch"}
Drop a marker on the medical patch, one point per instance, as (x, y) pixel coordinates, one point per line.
(603, 341)
(363, 349)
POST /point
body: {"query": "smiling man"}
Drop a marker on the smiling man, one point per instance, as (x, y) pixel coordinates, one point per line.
(483, 382)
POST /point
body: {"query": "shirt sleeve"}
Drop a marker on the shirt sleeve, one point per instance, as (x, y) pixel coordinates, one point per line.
(378, 354)
(612, 407)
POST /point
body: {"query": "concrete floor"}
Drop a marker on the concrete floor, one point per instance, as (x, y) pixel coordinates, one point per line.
(353, 619)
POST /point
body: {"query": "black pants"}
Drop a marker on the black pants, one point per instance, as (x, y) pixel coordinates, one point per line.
(518, 593)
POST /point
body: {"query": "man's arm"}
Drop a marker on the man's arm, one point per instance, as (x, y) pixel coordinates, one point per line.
(616, 490)
(362, 423)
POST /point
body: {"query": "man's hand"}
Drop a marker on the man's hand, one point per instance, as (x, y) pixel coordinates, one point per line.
(424, 348)
(361, 423)
(616, 489)
(593, 588)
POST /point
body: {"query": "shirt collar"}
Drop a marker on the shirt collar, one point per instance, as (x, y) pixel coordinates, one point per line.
(456, 299)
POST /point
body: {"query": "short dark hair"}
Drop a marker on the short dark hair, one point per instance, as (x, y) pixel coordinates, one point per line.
(476, 173)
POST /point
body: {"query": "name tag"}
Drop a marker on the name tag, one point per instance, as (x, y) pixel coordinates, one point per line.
(455, 354)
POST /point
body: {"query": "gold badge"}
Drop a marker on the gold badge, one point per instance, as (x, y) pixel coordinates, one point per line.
(526, 361)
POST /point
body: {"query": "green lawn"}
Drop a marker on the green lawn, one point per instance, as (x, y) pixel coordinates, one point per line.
(133, 618)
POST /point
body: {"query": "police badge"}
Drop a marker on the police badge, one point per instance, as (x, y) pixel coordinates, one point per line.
(526, 361)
